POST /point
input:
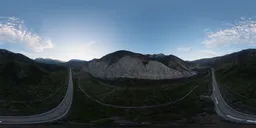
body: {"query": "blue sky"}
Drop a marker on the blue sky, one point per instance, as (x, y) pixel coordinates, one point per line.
(87, 29)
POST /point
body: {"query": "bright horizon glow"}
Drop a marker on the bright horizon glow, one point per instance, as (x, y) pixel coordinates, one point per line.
(91, 29)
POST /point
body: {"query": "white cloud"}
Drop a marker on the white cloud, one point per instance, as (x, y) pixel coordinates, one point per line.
(90, 43)
(13, 30)
(184, 49)
(242, 32)
(207, 29)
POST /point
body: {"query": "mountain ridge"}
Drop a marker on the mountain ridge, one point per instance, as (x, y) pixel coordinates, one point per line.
(127, 64)
(239, 55)
(48, 61)
(21, 68)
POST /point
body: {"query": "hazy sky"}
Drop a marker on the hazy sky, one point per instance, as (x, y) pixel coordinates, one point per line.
(87, 29)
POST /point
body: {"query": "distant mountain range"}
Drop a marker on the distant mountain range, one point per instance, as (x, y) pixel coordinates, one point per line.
(126, 64)
(48, 61)
(241, 57)
(73, 63)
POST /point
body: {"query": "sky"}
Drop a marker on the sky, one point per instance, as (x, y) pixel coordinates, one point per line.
(87, 29)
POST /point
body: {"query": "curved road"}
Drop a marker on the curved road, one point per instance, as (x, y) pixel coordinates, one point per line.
(57, 113)
(224, 110)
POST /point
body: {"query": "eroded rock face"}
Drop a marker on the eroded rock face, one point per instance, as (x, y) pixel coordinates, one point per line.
(135, 67)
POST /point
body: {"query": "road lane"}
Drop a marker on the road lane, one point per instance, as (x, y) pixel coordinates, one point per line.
(224, 110)
(57, 113)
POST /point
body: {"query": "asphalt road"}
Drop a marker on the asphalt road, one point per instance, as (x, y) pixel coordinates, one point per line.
(57, 113)
(224, 110)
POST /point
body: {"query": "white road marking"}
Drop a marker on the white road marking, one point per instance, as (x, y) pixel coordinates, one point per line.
(251, 121)
(216, 100)
(235, 118)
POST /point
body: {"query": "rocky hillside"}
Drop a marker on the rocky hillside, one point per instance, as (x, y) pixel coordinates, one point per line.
(126, 64)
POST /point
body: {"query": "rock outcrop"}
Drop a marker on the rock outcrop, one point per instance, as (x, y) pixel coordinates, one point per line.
(125, 64)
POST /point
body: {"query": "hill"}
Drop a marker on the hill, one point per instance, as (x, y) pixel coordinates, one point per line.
(240, 57)
(235, 73)
(48, 61)
(126, 64)
(24, 80)
(75, 63)
(18, 69)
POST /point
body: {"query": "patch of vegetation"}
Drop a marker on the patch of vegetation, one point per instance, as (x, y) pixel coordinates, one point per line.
(84, 109)
(237, 81)
(34, 98)
(235, 74)
(28, 87)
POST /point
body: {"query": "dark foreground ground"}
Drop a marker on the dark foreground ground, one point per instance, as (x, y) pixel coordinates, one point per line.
(80, 109)
(211, 122)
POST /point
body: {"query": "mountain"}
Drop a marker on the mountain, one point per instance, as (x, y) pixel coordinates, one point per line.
(126, 64)
(205, 61)
(235, 74)
(16, 68)
(235, 64)
(75, 60)
(75, 63)
(243, 57)
(48, 61)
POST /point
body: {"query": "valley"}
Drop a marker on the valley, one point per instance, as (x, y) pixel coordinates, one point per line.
(168, 101)
(126, 88)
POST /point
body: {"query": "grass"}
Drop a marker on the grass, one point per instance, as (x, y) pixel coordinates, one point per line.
(142, 94)
(28, 87)
(27, 99)
(85, 110)
(237, 83)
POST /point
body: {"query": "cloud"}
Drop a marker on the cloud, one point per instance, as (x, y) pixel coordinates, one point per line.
(184, 49)
(242, 32)
(206, 30)
(89, 44)
(13, 30)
